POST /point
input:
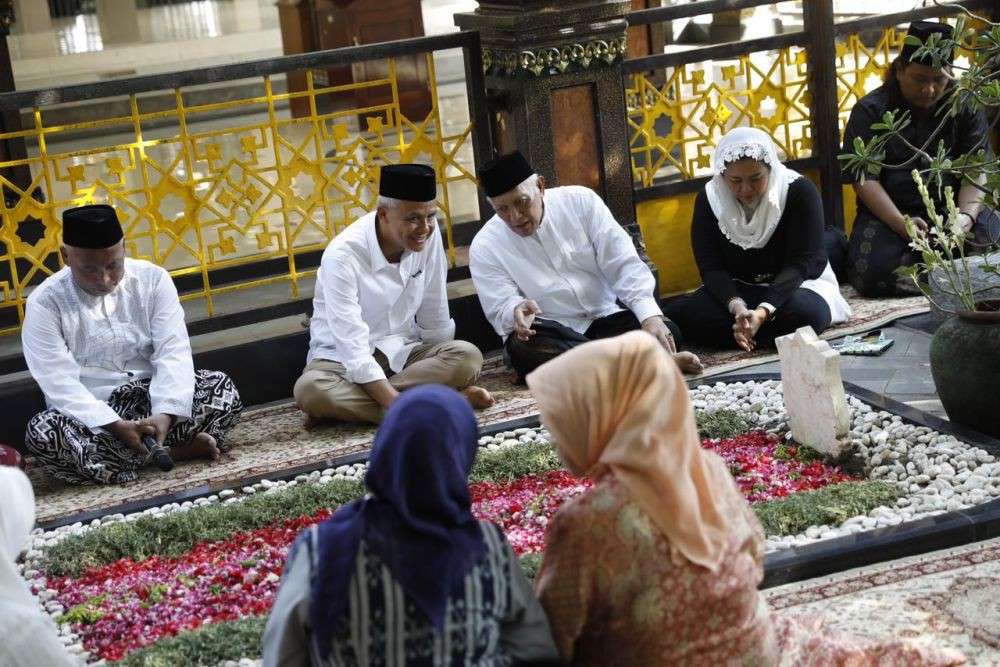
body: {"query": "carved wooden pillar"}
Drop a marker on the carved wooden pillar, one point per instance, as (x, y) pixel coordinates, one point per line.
(554, 90)
(10, 120)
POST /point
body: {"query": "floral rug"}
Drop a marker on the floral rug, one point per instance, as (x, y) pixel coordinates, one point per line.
(266, 440)
(948, 598)
(273, 438)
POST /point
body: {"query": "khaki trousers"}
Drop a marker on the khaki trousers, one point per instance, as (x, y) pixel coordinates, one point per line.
(324, 391)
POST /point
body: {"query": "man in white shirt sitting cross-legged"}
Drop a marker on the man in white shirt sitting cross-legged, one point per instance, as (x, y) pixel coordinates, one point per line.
(553, 269)
(105, 340)
(380, 321)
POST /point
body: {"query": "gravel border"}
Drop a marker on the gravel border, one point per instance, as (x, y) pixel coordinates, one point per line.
(937, 472)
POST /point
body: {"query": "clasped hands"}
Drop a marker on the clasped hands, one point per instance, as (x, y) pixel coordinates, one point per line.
(746, 323)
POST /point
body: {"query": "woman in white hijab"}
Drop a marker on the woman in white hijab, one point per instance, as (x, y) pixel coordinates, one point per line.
(29, 636)
(757, 236)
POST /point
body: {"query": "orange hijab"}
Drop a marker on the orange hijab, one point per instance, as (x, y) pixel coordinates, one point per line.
(620, 406)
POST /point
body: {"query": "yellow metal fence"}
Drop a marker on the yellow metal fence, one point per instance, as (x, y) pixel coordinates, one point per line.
(204, 187)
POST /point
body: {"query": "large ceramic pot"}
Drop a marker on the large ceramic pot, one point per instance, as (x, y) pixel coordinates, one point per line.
(965, 363)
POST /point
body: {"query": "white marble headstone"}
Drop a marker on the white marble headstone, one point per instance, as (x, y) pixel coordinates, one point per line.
(814, 392)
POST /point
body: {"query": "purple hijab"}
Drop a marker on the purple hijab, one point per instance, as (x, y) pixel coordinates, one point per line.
(417, 518)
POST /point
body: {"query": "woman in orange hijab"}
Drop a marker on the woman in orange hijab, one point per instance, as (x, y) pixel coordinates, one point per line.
(659, 563)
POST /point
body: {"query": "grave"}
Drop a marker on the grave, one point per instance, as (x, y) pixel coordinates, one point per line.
(818, 414)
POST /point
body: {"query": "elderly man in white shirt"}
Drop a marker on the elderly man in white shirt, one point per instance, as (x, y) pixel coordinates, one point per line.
(105, 340)
(380, 321)
(553, 269)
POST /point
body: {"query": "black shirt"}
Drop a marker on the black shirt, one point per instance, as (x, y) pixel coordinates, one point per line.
(794, 253)
(961, 134)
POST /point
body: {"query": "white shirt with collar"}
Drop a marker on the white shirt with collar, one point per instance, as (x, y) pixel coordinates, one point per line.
(575, 265)
(79, 347)
(363, 303)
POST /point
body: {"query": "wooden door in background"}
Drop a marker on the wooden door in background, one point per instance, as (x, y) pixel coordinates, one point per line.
(382, 22)
(316, 25)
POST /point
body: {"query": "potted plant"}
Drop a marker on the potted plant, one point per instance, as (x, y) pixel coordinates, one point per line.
(965, 350)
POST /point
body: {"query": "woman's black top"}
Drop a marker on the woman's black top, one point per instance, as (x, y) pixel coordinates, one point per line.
(794, 252)
(966, 132)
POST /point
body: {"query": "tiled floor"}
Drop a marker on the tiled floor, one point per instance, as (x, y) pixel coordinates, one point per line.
(902, 373)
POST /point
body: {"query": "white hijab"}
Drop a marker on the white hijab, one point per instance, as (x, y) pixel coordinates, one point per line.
(29, 636)
(17, 517)
(739, 143)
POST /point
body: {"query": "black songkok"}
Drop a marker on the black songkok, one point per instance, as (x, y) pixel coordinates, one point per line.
(409, 182)
(504, 173)
(922, 30)
(95, 227)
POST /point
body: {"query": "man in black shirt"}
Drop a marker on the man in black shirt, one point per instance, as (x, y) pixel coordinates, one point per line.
(879, 241)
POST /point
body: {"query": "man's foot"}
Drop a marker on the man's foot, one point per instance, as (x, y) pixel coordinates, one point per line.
(688, 362)
(201, 446)
(478, 397)
(309, 422)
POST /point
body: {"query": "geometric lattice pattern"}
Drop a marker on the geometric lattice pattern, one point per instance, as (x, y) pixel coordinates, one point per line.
(197, 194)
(674, 126)
(860, 68)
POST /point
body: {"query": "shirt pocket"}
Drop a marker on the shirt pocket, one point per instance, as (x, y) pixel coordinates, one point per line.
(413, 290)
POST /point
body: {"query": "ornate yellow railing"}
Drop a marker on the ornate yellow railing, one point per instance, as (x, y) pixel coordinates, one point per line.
(676, 117)
(700, 102)
(199, 194)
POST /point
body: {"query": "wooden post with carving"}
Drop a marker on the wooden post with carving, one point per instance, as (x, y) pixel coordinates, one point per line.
(822, 64)
(554, 85)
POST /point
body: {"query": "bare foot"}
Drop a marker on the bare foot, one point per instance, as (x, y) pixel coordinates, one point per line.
(688, 362)
(201, 446)
(478, 397)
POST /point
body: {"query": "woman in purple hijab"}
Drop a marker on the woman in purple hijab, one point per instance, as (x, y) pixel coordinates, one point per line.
(407, 575)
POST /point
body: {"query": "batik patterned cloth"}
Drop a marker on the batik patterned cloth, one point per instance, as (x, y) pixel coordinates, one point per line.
(69, 450)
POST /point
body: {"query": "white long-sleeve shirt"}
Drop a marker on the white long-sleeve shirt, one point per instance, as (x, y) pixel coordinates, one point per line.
(363, 303)
(80, 347)
(575, 265)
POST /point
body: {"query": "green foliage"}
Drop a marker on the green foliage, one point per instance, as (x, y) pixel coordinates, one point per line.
(502, 466)
(802, 453)
(176, 533)
(207, 646)
(833, 504)
(530, 564)
(937, 48)
(720, 424)
(87, 612)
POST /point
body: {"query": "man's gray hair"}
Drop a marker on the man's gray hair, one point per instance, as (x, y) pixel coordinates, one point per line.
(387, 202)
(528, 187)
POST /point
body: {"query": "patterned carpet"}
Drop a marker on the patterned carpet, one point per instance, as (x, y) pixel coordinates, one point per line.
(272, 439)
(948, 598)
(268, 439)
